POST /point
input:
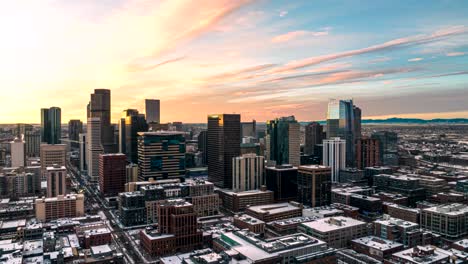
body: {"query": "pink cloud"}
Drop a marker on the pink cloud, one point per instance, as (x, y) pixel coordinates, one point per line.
(297, 34)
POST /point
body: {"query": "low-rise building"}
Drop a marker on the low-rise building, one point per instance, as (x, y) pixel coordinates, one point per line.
(420, 255)
(404, 213)
(251, 223)
(376, 247)
(272, 212)
(236, 202)
(336, 231)
(70, 205)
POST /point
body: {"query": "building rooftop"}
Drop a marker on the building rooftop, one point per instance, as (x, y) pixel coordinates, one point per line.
(377, 243)
(245, 193)
(333, 223)
(462, 243)
(449, 209)
(273, 208)
(422, 255)
(389, 221)
(313, 167)
(249, 219)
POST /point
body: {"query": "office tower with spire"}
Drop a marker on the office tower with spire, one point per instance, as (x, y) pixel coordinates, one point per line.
(153, 111)
(341, 123)
(313, 137)
(130, 124)
(283, 141)
(223, 144)
(51, 122)
(334, 156)
(100, 107)
(94, 148)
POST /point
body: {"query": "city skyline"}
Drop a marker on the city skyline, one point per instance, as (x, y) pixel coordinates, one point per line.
(259, 59)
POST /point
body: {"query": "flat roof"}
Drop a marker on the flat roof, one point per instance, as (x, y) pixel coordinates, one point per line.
(333, 223)
(437, 255)
(273, 208)
(377, 243)
(448, 209)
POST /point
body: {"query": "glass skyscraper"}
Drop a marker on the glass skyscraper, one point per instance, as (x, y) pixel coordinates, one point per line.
(51, 122)
(341, 123)
(131, 123)
(283, 141)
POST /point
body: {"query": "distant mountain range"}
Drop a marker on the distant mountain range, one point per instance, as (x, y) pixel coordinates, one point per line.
(396, 120)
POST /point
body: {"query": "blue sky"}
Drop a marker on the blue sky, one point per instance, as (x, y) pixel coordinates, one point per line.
(262, 59)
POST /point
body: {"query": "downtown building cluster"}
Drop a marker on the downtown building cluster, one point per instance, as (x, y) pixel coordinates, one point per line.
(283, 191)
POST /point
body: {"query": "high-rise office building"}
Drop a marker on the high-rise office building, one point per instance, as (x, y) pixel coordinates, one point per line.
(94, 147)
(21, 129)
(334, 156)
(153, 111)
(112, 173)
(75, 127)
(283, 141)
(388, 147)
(341, 123)
(222, 146)
(51, 125)
(32, 140)
(161, 155)
(249, 129)
(357, 122)
(314, 185)
(202, 146)
(313, 137)
(367, 153)
(100, 107)
(247, 172)
(53, 155)
(83, 152)
(131, 123)
(17, 153)
(282, 180)
(56, 176)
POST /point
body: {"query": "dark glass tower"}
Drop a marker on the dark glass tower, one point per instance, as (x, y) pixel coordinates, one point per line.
(313, 137)
(100, 106)
(51, 121)
(202, 139)
(341, 123)
(283, 141)
(75, 128)
(388, 147)
(223, 144)
(132, 122)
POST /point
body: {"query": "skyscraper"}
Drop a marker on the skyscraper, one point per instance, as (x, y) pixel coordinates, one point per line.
(282, 180)
(131, 123)
(247, 172)
(161, 155)
(75, 127)
(202, 141)
(341, 123)
(51, 122)
(17, 153)
(367, 153)
(249, 129)
(314, 185)
(388, 147)
(53, 155)
(334, 156)
(32, 140)
(94, 147)
(56, 180)
(100, 107)
(313, 137)
(223, 145)
(83, 152)
(112, 173)
(153, 111)
(357, 122)
(283, 142)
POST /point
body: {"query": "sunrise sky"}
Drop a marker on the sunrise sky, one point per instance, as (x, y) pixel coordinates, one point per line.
(262, 59)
